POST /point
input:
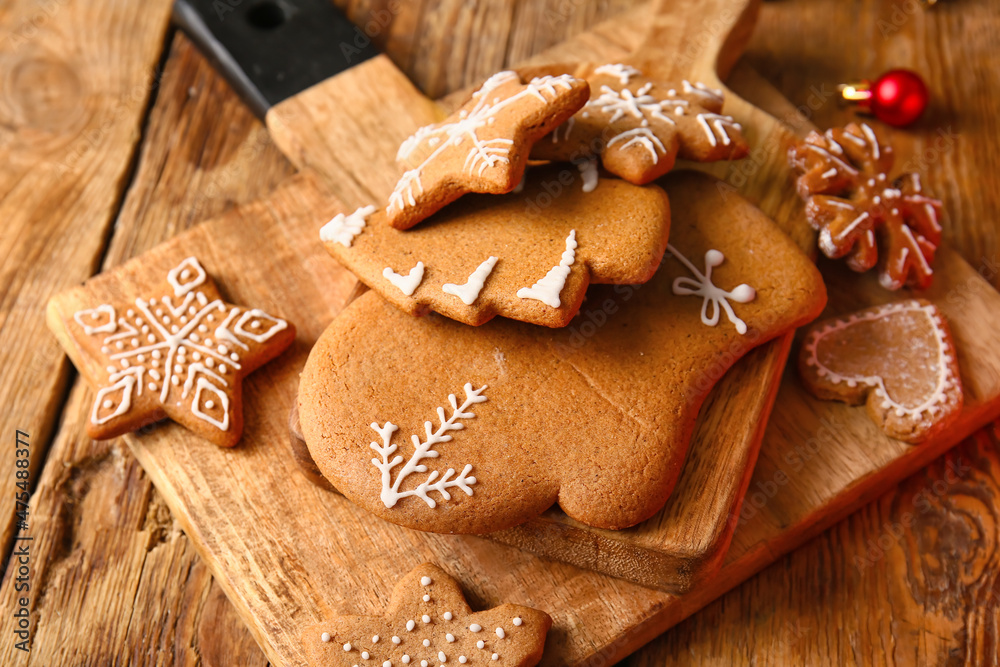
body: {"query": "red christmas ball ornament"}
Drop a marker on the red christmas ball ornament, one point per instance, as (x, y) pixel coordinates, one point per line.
(898, 97)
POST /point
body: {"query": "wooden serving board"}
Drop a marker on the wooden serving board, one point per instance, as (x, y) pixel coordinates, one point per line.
(288, 553)
(347, 131)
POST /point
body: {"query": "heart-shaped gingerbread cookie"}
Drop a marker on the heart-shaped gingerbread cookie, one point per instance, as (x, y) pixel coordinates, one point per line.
(898, 358)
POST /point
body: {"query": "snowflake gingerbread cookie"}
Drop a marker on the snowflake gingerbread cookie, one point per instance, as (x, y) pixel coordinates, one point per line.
(428, 622)
(181, 352)
(481, 147)
(898, 359)
(860, 213)
(639, 126)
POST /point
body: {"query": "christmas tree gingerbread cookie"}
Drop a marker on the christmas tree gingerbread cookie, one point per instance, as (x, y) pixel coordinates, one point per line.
(481, 147)
(898, 359)
(428, 622)
(528, 255)
(177, 351)
(442, 427)
(859, 212)
(639, 126)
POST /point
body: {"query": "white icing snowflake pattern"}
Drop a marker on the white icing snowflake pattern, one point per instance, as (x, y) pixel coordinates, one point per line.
(482, 154)
(423, 450)
(715, 298)
(187, 352)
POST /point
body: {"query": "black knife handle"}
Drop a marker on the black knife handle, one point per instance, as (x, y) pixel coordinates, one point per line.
(270, 50)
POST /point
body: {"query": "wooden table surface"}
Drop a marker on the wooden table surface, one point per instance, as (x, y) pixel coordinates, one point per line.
(115, 134)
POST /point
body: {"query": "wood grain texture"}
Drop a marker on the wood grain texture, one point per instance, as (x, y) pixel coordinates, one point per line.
(109, 561)
(771, 618)
(76, 81)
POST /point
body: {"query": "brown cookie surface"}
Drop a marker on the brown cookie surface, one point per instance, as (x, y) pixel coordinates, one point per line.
(529, 255)
(639, 126)
(428, 622)
(483, 146)
(898, 359)
(441, 427)
(179, 352)
(863, 216)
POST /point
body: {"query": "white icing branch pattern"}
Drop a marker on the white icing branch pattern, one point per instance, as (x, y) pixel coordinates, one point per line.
(469, 292)
(407, 284)
(391, 493)
(547, 289)
(714, 298)
(170, 348)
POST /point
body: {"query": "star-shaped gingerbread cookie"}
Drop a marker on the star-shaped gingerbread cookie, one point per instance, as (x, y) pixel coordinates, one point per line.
(639, 126)
(180, 352)
(483, 146)
(428, 623)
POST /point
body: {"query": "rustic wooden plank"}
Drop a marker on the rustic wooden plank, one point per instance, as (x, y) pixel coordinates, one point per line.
(77, 80)
(109, 560)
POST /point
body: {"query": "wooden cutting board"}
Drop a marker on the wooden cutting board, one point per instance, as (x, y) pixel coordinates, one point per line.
(347, 131)
(287, 552)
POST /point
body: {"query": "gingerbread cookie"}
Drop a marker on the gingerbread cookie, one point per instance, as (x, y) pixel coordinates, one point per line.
(860, 213)
(442, 427)
(179, 352)
(528, 255)
(483, 146)
(639, 126)
(897, 358)
(428, 623)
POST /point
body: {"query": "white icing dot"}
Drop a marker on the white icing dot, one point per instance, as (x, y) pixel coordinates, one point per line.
(157, 354)
(375, 639)
(365, 655)
(396, 640)
(425, 581)
(152, 302)
(347, 646)
(386, 664)
(427, 598)
(450, 638)
(500, 633)
(409, 626)
(119, 345)
(202, 328)
(447, 616)
(475, 627)
(128, 313)
(152, 386)
(155, 363)
(107, 404)
(166, 320)
(105, 349)
(425, 618)
(196, 356)
(195, 337)
(192, 310)
(325, 637)
(111, 369)
(462, 659)
(140, 358)
(209, 361)
(517, 621)
(145, 329)
(184, 319)
(175, 380)
(151, 338)
(255, 324)
(480, 644)
(135, 342)
(185, 274)
(222, 368)
(405, 659)
(442, 657)
(209, 404)
(124, 363)
(495, 657)
(423, 663)
(159, 312)
(427, 642)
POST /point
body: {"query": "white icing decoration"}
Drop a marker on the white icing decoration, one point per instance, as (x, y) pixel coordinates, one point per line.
(172, 334)
(343, 229)
(425, 581)
(698, 88)
(716, 124)
(483, 154)
(500, 633)
(469, 291)
(944, 380)
(390, 490)
(642, 137)
(183, 270)
(475, 627)
(86, 319)
(517, 621)
(623, 72)
(548, 288)
(447, 616)
(713, 296)
(588, 172)
(325, 637)
(407, 284)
